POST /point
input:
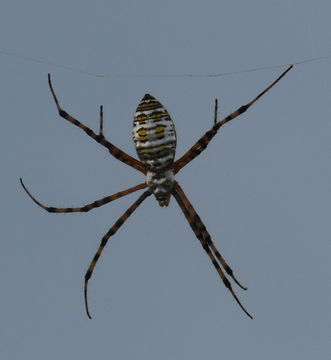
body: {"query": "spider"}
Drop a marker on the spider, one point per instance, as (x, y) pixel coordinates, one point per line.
(154, 137)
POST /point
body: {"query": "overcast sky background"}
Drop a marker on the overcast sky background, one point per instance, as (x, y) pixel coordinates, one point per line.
(262, 187)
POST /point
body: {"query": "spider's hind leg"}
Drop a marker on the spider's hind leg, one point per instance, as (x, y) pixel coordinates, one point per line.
(105, 239)
(201, 227)
(203, 236)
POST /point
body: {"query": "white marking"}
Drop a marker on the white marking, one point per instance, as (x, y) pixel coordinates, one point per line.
(149, 112)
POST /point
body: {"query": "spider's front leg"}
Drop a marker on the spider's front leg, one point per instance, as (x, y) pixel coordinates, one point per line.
(203, 142)
(114, 150)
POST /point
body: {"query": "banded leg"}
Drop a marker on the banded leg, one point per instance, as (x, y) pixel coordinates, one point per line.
(195, 218)
(87, 207)
(101, 121)
(105, 239)
(216, 112)
(203, 142)
(203, 236)
(114, 150)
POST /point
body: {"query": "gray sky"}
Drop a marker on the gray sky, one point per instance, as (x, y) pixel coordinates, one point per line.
(262, 187)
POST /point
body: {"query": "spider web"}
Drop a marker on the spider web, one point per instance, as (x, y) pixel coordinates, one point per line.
(213, 75)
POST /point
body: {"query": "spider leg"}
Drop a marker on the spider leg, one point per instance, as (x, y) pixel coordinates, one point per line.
(105, 239)
(216, 111)
(203, 142)
(203, 236)
(202, 228)
(87, 207)
(101, 122)
(114, 150)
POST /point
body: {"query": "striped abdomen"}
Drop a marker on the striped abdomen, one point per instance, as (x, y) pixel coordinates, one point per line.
(154, 135)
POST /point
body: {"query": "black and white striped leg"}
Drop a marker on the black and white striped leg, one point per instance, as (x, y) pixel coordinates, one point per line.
(105, 239)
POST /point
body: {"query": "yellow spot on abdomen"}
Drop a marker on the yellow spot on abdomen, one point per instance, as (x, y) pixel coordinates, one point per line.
(142, 132)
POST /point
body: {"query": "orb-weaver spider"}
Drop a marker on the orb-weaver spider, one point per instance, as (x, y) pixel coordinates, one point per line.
(155, 141)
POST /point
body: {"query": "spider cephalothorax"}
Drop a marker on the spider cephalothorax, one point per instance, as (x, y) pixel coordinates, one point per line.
(155, 140)
(161, 184)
